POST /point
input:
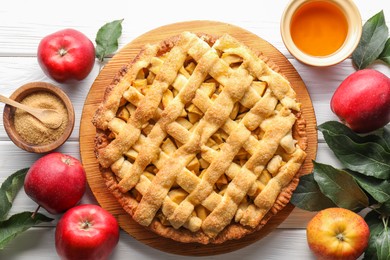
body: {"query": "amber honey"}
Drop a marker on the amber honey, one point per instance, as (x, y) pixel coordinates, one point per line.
(319, 28)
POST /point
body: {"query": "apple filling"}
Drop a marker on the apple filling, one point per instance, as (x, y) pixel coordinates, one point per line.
(185, 123)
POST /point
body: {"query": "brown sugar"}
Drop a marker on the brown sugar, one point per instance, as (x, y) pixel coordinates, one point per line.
(30, 128)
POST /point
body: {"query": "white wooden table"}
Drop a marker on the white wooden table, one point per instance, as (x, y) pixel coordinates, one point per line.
(24, 23)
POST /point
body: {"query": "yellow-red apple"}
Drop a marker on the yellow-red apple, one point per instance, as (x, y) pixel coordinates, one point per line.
(337, 233)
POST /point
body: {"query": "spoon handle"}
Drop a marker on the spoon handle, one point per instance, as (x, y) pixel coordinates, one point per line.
(13, 103)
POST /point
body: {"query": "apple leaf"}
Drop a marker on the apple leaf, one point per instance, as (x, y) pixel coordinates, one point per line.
(386, 134)
(9, 189)
(340, 187)
(5, 205)
(308, 196)
(385, 55)
(107, 39)
(368, 154)
(372, 41)
(17, 224)
(377, 188)
(379, 242)
(383, 245)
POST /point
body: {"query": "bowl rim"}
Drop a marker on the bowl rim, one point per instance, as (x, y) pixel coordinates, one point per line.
(9, 111)
(354, 20)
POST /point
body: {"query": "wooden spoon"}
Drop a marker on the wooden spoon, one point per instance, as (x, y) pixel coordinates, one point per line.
(49, 117)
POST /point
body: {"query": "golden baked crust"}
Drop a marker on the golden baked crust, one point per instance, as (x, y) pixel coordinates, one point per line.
(199, 139)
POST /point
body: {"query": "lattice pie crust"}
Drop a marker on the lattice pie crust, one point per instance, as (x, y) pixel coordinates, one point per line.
(200, 139)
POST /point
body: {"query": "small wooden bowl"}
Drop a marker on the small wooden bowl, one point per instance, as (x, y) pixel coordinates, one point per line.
(19, 95)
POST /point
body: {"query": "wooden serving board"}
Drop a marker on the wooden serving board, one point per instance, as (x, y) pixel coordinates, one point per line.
(95, 96)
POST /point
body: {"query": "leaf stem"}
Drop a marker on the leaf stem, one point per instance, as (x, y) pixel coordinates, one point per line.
(385, 221)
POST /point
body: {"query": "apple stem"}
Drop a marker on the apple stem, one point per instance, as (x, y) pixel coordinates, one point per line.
(66, 160)
(340, 237)
(35, 212)
(62, 52)
(85, 225)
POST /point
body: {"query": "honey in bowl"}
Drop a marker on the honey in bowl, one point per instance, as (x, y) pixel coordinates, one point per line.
(319, 28)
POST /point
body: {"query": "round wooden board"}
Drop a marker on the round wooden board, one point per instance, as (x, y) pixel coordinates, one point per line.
(95, 96)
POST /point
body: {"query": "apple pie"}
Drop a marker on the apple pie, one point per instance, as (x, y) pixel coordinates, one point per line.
(200, 139)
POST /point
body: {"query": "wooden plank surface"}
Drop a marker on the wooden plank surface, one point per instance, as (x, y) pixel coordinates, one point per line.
(24, 23)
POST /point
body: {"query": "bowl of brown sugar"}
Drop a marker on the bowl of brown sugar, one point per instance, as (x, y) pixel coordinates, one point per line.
(29, 133)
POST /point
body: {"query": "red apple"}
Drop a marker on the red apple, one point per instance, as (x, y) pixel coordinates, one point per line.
(362, 101)
(56, 182)
(86, 232)
(337, 233)
(65, 55)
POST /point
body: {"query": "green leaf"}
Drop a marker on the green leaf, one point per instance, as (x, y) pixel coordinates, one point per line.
(13, 183)
(5, 205)
(379, 242)
(386, 135)
(365, 154)
(384, 208)
(383, 245)
(377, 188)
(385, 55)
(382, 136)
(340, 187)
(107, 39)
(308, 195)
(372, 41)
(374, 221)
(17, 224)
(376, 226)
(9, 189)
